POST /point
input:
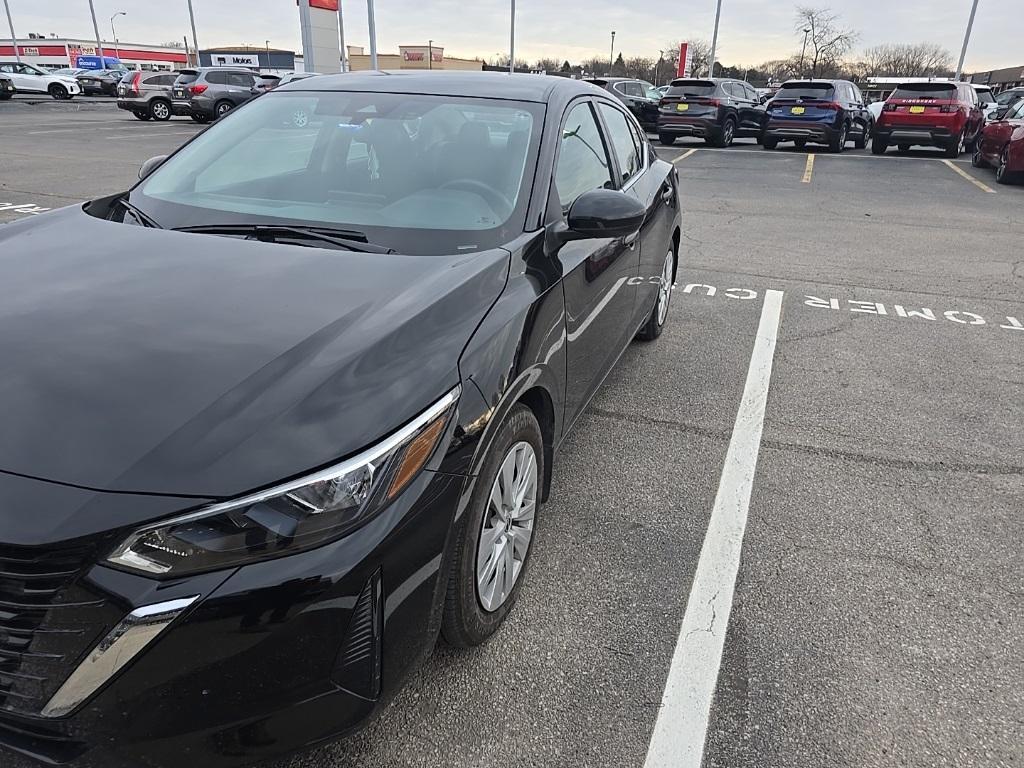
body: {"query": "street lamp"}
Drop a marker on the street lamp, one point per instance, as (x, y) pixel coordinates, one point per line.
(268, 55)
(967, 39)
(714, 39)
(117, 50)
(803, 50)
(430, 54)
(14, 38)
(512, 41)
(611, 58)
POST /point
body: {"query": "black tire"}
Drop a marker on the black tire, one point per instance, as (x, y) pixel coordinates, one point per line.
(902, 148)
(838, 141)
(878, 146)
(977, 160)
(955, 147)
(58, 92)
(201, 119)
(667, 139)
(141, 115)
(1003, 174)
(861, 141)
(466, 623)
(160, 110)
(770, 143)
(723, 138)
(221, 108)
(799, 143)
(656, 320)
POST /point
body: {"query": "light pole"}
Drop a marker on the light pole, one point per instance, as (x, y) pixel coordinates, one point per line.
(430, 54)
(96, 29)
(611, 57)
(967, 39)
(341, 40)
(195, 42)
(657, 68)
(268, 55)
(714, 40)
(807, 31)
(373, 34)
(512, 41)
(113, 32)
(14, 38)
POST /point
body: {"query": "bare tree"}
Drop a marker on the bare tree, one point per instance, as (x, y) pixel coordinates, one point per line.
(547, 65)
(908, 60)
(641, 68)
(595, 66)
(827, 40)
(777, 70)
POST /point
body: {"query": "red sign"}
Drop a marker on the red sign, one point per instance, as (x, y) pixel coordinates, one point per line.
(684, 62)
(327, 5)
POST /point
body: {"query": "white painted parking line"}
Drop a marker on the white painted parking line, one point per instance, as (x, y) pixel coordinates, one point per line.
(682, 723)
(684, 156)
(808, 170)
(974, 181)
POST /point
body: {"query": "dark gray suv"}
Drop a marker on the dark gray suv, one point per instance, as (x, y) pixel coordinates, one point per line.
(206, 93)
(146, 94)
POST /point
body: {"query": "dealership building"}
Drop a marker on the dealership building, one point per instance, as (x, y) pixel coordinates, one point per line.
(55, 53)
(999, 79)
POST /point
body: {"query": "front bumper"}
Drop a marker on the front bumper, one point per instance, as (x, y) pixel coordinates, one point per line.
(269, 657)
(794, 130)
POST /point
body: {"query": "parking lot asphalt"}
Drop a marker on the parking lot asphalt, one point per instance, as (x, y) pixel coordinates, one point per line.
(877, 616)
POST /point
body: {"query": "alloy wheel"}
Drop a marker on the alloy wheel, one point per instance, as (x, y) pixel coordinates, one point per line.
(223, 109)
(160, 110)
(665, 287)
(1004, 159)
(507, 526)
(728, 133)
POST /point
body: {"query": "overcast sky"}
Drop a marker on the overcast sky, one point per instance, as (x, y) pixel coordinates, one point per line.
(751, 30)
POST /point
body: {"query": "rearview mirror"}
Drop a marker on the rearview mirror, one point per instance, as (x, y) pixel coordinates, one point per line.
(151, 165)
(604, 213)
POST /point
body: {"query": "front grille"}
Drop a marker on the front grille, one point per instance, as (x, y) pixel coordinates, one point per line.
(46, 622)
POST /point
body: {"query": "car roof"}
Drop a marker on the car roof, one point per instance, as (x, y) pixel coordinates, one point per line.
(493, 85)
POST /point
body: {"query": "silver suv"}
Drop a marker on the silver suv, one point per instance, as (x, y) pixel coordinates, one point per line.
(146, 94)
(206, 93)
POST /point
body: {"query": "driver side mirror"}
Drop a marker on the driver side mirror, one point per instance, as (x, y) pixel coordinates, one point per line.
(151, 165)
(604, 213)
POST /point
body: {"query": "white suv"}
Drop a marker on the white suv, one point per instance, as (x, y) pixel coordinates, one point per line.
(29, 79)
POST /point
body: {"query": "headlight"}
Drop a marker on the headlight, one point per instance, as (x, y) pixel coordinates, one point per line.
(293, 516)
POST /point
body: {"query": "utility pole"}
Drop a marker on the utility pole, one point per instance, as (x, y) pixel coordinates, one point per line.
(341, 40)
(373, 34)
(714, 40)
(117, 50)
(611, 57)
(430, 54)
(268, 55)
(967, 39)
(195, 42)
(96, 29)
(14, 38)
(807, 31)
(512, 41)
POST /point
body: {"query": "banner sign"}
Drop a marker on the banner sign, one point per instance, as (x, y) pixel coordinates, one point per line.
(685, 61)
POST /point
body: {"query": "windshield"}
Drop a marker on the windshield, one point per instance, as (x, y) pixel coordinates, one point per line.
(805, 91)
(419, 174)
(1007, 97)
(944, 91)
(691, 88)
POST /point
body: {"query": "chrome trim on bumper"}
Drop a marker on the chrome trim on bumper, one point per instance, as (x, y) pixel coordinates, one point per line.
(122, 644)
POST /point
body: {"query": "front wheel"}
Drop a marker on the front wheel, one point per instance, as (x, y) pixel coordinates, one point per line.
(656, 320)
(878, 146)
(222, 108)
(493, 546)
(667, 139)
(58, 92)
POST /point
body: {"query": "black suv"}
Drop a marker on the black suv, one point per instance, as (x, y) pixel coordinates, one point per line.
(207, 93)
(640, 96)
(828, 112)
(716, 109)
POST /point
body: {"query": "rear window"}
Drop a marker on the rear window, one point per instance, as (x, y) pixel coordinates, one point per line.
(691, 88)
(186, 77)
(985, 95)
(924, 91)
(806, 91)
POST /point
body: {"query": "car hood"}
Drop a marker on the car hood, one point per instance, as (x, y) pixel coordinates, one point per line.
(151, 361)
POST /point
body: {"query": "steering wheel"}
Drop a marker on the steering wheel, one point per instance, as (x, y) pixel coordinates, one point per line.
(490, 194)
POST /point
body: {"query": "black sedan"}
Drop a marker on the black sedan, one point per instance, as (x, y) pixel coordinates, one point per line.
(7, 88)
(100, 82)
(286, 411)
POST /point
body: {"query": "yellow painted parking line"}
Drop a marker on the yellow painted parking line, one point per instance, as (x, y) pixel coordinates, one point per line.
(808, 170)
(683, 156)
(966, 175)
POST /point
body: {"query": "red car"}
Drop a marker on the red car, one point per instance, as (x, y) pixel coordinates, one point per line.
(933, 114)
(1002, 144)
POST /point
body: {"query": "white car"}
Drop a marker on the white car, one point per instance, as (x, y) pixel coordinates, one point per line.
(30, 79)
(986, 100)
(875, 108)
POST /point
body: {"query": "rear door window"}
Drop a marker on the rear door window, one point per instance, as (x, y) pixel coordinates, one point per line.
(821, 91)
(944, 91)
(691, 88)
(186, 77)
(217, 78)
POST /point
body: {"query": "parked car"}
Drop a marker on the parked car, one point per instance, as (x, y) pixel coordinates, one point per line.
(69, 71)
(291, 77)
(986, 100)
(100, 82)
(7, 88)
(321, 408)
(31, 79)
(663, 89)
(640, 96)
(1007, 99)
(206, 93)
(713, 108)
(935, 114)
(266, 83)
(146, 94)
(830, 112)
(1001, 144)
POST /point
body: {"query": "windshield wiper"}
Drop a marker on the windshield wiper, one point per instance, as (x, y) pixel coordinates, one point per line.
(347, 239)
(141, 217)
